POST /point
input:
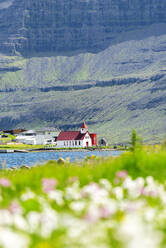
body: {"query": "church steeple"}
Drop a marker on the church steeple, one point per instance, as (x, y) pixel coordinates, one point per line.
(84, 128)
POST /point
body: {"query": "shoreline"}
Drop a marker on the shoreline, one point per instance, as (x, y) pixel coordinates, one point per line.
(56, 150)
(73, 150)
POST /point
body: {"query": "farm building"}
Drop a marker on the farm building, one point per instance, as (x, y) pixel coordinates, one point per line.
(77, 139)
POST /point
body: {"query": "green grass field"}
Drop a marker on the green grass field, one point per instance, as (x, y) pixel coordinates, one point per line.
(20, 146)
(99, 202)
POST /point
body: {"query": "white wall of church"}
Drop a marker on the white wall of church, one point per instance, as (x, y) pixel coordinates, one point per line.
(69, 143)
(87, 141)
(75, 143)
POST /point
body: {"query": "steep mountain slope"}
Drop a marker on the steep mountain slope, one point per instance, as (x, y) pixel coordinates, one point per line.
(102, 61)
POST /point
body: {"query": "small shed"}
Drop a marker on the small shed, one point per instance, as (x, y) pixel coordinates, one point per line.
(103, 142)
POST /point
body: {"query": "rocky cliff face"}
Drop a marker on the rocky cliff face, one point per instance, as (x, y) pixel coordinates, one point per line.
(67, 26)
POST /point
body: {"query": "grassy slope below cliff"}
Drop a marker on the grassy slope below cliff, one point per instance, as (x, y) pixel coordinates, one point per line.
(120, 88)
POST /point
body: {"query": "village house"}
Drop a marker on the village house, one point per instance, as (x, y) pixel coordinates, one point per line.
(77, 139)
(14, 131)
(43, 136)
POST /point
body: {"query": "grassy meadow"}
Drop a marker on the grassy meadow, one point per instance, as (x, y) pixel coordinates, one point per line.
(99, 202)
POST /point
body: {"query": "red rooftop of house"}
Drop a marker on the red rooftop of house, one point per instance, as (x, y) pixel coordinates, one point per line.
(70, 135)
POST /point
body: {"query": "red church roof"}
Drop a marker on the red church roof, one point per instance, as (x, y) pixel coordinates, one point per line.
(84, 125)
(70, 135)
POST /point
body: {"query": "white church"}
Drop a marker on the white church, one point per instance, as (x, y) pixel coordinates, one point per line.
(77, 139)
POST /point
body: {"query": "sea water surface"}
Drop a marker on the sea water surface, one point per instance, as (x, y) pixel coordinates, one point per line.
(34, 158)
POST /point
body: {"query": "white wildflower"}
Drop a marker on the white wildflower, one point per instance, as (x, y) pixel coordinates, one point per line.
(150, 214)
(150, 180)
(78, 206)
(133, 187)
(138, 234)
(49, 222)
(110, 204)
(34, 220)
(128, 183)
(140, 182)
(5, 217)
(93, 213)
(28, 195)
(95, 192)
(10, 239)
(75, 227)
(57, 196)
(73, 192)
(131, 206)
(20, 223)
(162, 194)
(106, 184)
(118, 191)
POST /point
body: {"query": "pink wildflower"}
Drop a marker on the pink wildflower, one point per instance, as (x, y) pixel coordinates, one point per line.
(48, 184)
(121, 174)
(133, 206)
(5, 182)
(105, 212)
(14, 207)
(91, 218)
(152, 193)
(142, 191)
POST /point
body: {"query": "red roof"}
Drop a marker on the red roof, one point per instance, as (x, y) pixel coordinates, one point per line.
(84, 125)
(71, 135)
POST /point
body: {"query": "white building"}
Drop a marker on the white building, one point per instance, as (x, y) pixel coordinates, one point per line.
(77, 139)
(39, 137)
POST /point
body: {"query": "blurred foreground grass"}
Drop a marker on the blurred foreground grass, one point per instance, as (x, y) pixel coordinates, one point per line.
(99, 202)
(139, 163)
